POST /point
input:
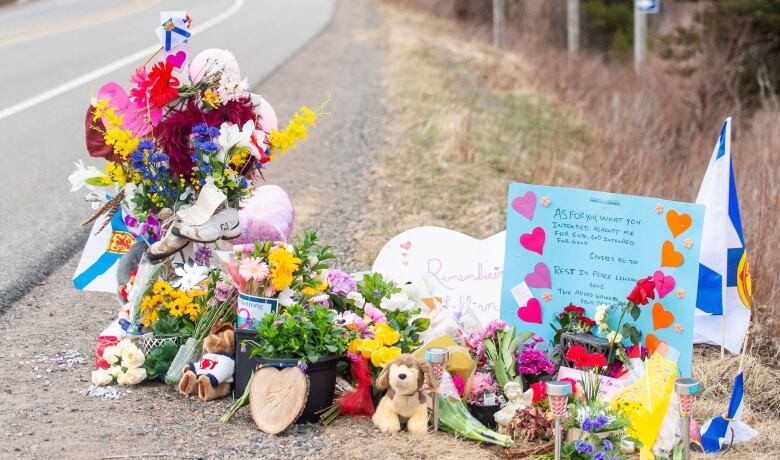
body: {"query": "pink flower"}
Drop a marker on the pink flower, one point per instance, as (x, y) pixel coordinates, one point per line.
(494, 326)
(376, 315)
(480, 383)
(252, 268)
(142, 83)
(352, 321)
(460, 384)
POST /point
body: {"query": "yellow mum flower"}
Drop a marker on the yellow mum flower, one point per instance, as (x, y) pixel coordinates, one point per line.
(382, 356)
(211, 98)
(283, 264)
(386, 335)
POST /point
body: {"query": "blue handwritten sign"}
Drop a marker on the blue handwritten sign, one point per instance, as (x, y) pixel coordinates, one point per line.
(588, 248)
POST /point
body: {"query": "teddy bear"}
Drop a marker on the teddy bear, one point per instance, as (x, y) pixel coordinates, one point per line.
(211, 377)
(404, 401)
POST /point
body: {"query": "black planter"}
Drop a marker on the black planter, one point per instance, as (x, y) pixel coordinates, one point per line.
(485, 414)
(322, 378)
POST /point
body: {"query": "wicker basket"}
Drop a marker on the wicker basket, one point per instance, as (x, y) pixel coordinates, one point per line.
(149, 341)
(591, 343)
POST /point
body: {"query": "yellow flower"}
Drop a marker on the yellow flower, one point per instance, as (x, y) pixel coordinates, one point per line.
(384, 355)
(238, 159)
(150, 318)
(386, 335)
(368, 347)
(355, 345)
(211, 98)
(123, 141)
(285, 139)
(116, 172)
(283, 264)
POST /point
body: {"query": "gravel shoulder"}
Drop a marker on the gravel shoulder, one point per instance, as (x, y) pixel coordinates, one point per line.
(49, 335)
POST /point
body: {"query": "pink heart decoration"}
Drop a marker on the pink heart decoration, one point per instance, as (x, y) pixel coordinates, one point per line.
(663, 283)
(533, 241)
(177, 59)
(540, 277)
(405, 246)
(532, 312)
(134, 114)
(525, 205)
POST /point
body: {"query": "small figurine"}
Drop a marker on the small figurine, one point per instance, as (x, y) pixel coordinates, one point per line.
(517, 401)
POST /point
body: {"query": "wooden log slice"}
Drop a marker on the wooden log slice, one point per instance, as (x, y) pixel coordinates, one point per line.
(277, 398)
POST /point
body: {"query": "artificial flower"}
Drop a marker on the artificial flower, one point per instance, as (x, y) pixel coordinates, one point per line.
(397, 302)
(142, 84)
(386, 335)
(132, 376)
(341, 283)
(382, 356)
(283, 264)
(163, 87)
(101, 377)
(644, 290)
(190, 275)
(132, 357)
(374, 314)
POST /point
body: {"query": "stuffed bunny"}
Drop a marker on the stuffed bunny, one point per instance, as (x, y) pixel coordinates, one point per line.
(404, 401)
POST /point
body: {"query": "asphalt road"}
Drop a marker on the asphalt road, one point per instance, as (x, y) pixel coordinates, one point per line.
(54, 55)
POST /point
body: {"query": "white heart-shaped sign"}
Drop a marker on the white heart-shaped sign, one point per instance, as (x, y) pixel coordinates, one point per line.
(464, 271)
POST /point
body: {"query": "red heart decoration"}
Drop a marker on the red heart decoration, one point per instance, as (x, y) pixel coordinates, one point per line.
(177, 59)
(531, 312)
(663, 283)
(534, 241)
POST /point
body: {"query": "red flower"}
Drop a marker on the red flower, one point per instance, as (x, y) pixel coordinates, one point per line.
(586, 321)
(573, 308)
(576, 354)
(644, 289)
(540, 391)
(163, 88)
(594, 360)
(142, 84)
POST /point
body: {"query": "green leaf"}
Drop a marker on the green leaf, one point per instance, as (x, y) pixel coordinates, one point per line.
(421, 324)
(98, 181)
(635, 311)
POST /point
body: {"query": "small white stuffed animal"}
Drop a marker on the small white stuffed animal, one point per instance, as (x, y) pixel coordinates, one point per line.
(418, 288)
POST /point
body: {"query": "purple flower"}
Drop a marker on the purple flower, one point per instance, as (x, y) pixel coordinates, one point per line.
(607, 444)
(303, 366)
(587, 425)
(151, 227)
(222, 291)
(131, 221)
(278, 323)
(203, 255)
(493, 327)
(341, 283)
(531, 361)
(583, 447)
(599, 456)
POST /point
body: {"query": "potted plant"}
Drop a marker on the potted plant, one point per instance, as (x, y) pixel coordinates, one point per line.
(307, 336)
(483, 398)
(533, 363)
(593, 428)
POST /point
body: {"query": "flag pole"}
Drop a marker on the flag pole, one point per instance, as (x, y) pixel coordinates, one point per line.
(722, 335)
(744, 350)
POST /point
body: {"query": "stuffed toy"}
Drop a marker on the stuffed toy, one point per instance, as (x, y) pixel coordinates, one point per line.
(404, 401)
(211, 377)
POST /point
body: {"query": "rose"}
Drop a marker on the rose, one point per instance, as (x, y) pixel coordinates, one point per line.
(111, 354)
(132, 376)
(643, 290)
(132, 357)
(382, 356)
(614, 337)
(601, 313)
(115, 371)
(397, 302)
(385, 334)
(101, 377)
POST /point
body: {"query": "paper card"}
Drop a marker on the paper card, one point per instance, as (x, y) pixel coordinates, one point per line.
(608, 387)
(251, 310)
(589, 248)
(464, 271)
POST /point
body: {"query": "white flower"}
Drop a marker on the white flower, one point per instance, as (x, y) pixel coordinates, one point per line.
(132, 357)
(130, 191)
(230, 87)
(115, 371)
(322, 276)
(190, 275)
(397, 302)
(101, 377)
(111, 354)
(358, 298)
(133, 376)
(83, 173)
(319, 298)
(601, 313)
(603, 328)
(614, 337)
(285, 297)
(230, 135)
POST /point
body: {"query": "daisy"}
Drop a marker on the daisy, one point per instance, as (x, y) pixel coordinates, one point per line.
(251, 268)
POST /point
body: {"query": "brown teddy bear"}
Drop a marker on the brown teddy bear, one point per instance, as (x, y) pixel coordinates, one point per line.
(212, 376)
(404, 401)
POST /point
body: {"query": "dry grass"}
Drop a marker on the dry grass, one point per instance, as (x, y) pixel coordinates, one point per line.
(469, 119)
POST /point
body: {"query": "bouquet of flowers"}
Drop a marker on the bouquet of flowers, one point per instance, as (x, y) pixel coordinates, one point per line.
(532, 362)
(482, 383)
(594, 432)
(591, 364)
(572, 319)
(125, 365)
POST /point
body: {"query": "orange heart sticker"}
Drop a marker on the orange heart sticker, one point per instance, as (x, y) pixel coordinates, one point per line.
(661, 318)
(653, 343)
(670, 257)
(678, 223)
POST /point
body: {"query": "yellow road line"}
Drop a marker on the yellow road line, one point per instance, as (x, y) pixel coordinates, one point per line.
(47, 29)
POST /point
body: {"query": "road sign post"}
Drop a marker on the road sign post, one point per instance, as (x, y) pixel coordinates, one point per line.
(499, 13)
(573, 26)
(641, 9)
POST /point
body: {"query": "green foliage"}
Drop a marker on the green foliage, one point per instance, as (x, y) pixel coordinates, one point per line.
(159, 360)
(170, 326)
(608, 25)
(374, 288)
(501, 351)
(314, 258)
(300, 333)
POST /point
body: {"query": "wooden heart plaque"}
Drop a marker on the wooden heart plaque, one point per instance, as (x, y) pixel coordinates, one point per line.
(277, 398)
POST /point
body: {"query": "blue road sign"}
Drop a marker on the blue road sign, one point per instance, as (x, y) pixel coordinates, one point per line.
(648, 6)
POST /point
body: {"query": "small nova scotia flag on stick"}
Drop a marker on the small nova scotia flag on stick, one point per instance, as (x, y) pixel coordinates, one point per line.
(724, 292)
(97, 268)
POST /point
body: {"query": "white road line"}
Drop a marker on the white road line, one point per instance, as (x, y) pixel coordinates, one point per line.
(106, 69)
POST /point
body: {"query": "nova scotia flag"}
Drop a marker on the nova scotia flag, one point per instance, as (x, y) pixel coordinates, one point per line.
(724, 292)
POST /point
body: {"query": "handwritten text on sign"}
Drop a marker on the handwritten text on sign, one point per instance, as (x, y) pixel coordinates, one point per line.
(589, 248)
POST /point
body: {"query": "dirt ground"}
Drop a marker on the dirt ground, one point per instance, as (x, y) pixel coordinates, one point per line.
(398, 149)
